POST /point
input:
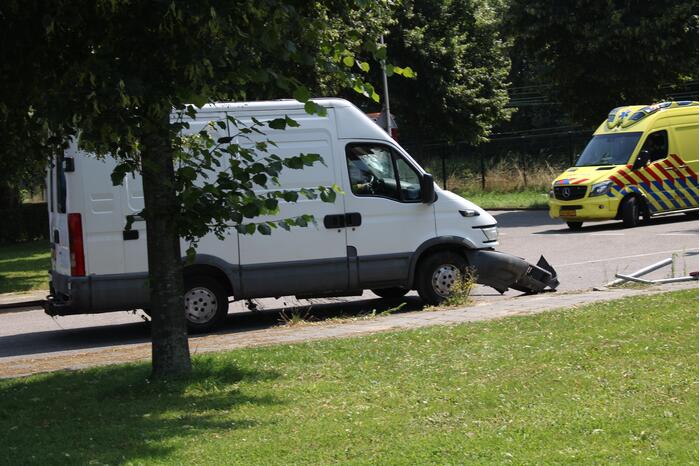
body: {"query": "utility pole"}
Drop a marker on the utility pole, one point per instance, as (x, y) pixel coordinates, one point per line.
(386, 91)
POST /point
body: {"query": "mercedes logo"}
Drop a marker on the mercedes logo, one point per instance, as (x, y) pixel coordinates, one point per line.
(566, 193)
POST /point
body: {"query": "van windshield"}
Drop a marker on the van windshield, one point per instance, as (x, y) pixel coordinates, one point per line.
(609, 149)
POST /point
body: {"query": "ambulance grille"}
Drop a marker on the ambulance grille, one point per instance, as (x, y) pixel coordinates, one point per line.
(570, 193)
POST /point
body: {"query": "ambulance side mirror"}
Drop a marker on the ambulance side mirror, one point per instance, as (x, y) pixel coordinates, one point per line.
(642, 159)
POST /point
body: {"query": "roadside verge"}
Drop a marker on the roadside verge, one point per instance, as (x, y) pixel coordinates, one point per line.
(17, 366)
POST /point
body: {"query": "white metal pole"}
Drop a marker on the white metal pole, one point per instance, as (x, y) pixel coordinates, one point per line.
(643, 271)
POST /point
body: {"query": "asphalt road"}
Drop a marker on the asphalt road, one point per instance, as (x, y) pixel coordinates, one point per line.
(583, 259)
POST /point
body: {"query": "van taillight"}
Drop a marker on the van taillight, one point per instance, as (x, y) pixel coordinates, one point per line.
(75, 239)
(395, 134)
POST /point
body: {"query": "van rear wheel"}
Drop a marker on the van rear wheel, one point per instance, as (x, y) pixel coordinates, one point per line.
(630, 212)
(391, 293)
(574, 225)
(439, 273)
(206, 303)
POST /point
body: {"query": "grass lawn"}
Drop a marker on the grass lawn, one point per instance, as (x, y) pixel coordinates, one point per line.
(23, 266)
(608, 383)
(532, 199)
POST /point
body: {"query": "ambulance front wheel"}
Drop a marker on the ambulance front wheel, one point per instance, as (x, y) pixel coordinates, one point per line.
(630, 212)
(574, 225)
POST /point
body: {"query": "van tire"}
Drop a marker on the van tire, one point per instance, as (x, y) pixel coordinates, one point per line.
(630, 212)
(391, 293)
(438, 268)
(692, 215)
(575, 226)
(206, 303)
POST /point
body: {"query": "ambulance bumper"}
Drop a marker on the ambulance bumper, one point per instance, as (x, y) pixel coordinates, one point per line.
(584, 210)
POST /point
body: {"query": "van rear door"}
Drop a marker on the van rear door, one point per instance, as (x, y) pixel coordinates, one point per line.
(58, 218)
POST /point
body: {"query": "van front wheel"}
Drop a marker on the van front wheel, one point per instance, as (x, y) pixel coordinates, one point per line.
(206, 303)
(439, 273)
(630, 212)
(576, 226)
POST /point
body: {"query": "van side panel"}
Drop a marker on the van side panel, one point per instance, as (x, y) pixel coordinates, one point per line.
(305, 259)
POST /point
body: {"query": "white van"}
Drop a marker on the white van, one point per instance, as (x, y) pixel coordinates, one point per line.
(392, 231)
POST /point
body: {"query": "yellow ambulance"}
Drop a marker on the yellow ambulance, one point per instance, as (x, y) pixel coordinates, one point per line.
(641, 162)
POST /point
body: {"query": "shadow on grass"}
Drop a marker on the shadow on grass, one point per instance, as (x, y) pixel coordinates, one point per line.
(116, 415)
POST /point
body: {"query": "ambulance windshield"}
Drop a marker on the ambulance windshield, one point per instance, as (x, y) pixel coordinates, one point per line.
(608, 149)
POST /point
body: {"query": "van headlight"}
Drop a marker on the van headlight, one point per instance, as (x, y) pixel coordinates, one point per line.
(600, 189)
(490, 232)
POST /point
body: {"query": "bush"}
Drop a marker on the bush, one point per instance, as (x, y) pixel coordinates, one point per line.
(26, 223)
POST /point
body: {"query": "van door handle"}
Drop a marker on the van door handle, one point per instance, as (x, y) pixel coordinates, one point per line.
(334, 221)
(130, 234)
(353, 219)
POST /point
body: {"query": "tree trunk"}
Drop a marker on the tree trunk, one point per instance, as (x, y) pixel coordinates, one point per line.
(170, 350)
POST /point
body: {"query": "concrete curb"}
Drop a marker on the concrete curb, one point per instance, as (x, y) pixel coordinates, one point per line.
(16, 302)
(6, 308)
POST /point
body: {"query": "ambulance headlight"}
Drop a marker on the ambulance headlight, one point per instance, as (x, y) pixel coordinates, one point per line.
(600, 189)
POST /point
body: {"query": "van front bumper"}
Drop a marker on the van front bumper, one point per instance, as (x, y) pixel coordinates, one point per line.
(96, 293)
(586, 209)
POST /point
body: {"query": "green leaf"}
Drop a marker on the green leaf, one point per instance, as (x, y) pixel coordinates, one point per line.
(389, 68)
(265, 229)
(328, 195)
(250, 210)
(364, 66)
(190, 254)
(290, 196)
(291, 122)
(225, 140)
(278, 123)
(260, 179)
(348, 61)
(408, 72)
(312, 108)
(302, 94)
(271, 204)
(295, 163)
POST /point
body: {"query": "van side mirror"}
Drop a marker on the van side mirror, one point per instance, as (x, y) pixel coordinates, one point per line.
(643, 159)
(427, 189)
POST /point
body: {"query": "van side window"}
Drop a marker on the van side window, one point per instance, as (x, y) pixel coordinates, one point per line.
(377, 170)
(657, 145)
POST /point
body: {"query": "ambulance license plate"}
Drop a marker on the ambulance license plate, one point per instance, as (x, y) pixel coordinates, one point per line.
(567, 213)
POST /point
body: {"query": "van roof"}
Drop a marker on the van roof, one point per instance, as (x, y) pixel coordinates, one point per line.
(638, 118)
(282, 104)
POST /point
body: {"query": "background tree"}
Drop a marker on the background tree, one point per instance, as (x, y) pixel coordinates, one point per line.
(458, 53)
(598, 54)
(115, 70)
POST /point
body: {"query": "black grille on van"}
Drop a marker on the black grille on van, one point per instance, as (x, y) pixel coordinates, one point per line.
(569, 193)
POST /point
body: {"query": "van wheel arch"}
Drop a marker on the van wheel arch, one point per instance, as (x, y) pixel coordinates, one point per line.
(202, 270)
(458, 247)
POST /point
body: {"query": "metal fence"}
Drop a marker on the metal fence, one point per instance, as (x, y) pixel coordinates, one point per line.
(523, 157)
